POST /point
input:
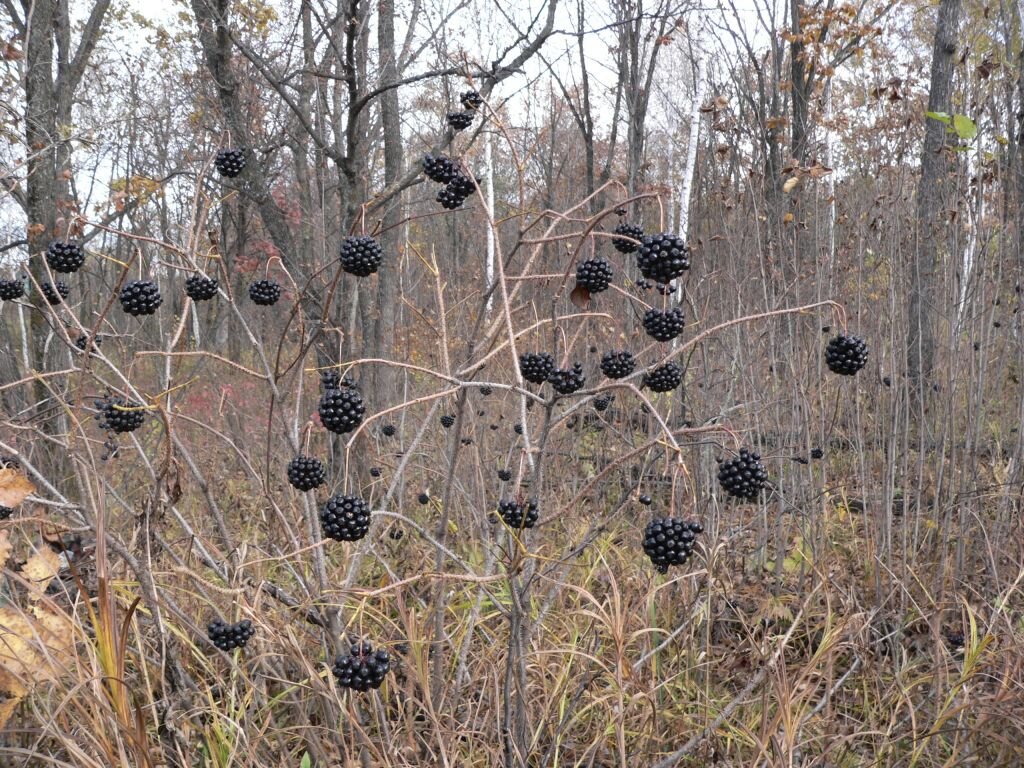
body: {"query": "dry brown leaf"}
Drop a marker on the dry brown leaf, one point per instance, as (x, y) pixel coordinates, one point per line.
(790, 183)
(39, 571)
(5, 547)
(580, 296)
(14, 487)
(11, 693)
(787, 219)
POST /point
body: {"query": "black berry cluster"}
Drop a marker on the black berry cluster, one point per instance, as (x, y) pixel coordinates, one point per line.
(229, 162)
(5, 512)
(439, 169)
(485, 391)
(565, 381)
(662, 258)
(361, 255)
(846, 355)
(617, 364)
(456, 191)
(83, 340)
(536, 366)
(664, 378)
(11, 290)
(460, 121)
(200, 288)
(341, 410)
(594, 274)
(669, 541)
(518, 515)
(603, 402)
(345, 518)
(330, 379)
(55, 293)
(447, 420)
(119, 415)
(743, 476)
(362, 668)
(388, 430)
(306, 473)
(227, 637)
(265, 293)
(140, 297)
(624, 245)
(65, 257)
(504, 475)
(471, 100)
(664, 326)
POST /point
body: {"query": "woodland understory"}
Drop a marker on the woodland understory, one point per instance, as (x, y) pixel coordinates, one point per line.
(292, 296)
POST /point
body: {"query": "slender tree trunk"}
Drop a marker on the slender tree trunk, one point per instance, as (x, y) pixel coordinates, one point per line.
(391, 239)
(937, 168)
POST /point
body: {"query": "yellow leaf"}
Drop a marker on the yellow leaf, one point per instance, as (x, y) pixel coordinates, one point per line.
(40, 570)
(14, 487)
(30, 646)
(791, 182)
(787, 219)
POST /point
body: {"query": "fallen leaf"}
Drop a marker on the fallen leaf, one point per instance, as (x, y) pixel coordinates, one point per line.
(790, 183)
(14, 487)
(39, 571)
(5, 547)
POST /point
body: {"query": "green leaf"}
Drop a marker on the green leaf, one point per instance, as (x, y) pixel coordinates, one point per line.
(965, 127)
(942, 117)
(307, 761)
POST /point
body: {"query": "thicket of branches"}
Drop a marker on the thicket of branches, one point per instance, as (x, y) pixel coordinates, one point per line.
(865, 608)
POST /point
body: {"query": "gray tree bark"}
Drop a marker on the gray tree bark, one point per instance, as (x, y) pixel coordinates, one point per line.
(934, 187)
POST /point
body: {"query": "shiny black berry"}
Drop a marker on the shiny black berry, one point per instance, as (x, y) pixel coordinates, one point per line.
(846, 355)
(594, 274)
(55, 293)
(439, 169)
(624, 245)
(664, 378)
(140, 297)
(447, 420)
(200, 288)
(645, 500)
(460, 121)
(306, 473)
(341, 410)
(423, 499)
(565, 381)
(664, 326)
(227, 637)
(536, 366)
(662, 258)
(361, 255)
(65, 257)
(471, 100)
(743, 476)
(669, 541)
(617, 364)
(362, 668)
(518, 515)
(345, 518)
(265, 293)
(119, 415)
(229, 162)
(11, 290)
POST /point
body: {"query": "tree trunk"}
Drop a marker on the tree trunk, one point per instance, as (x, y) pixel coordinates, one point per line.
(932, 194)
(387, 278)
